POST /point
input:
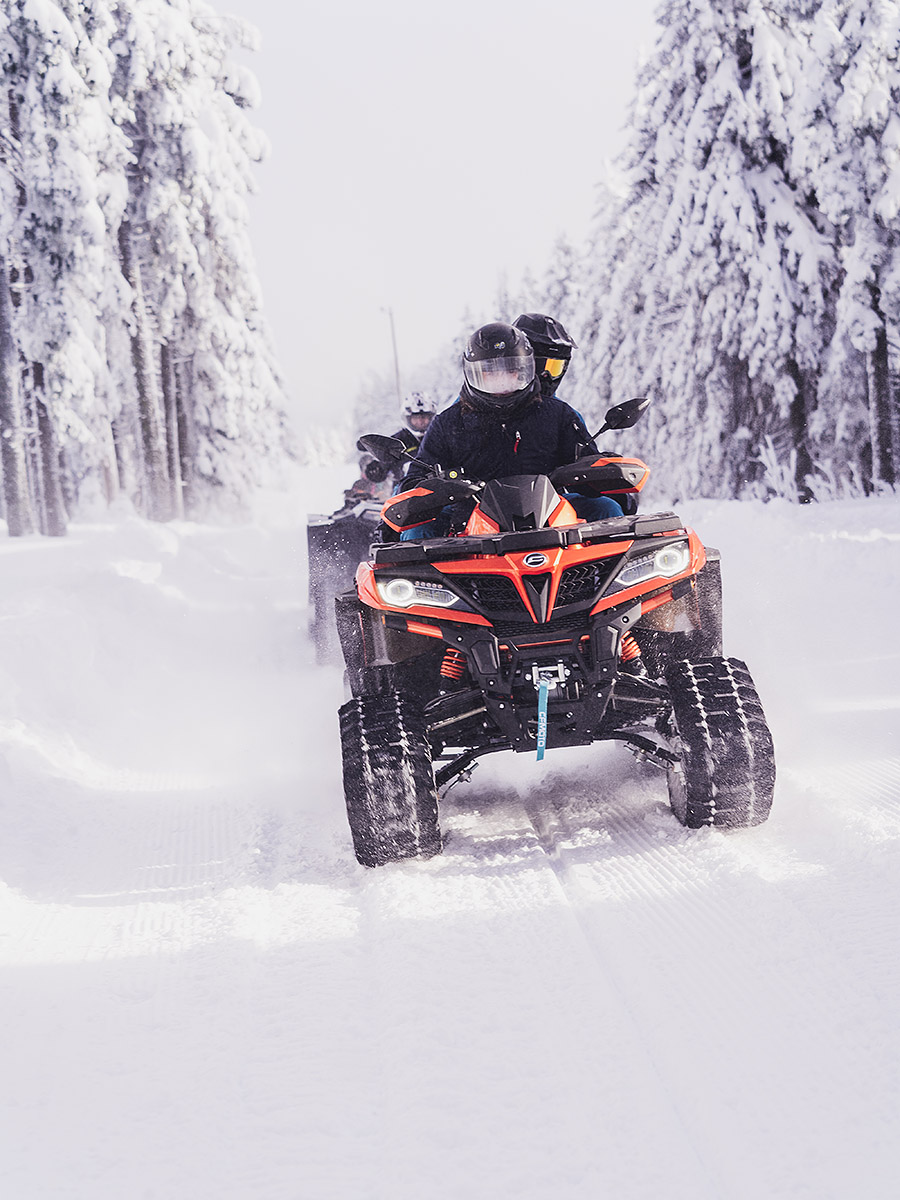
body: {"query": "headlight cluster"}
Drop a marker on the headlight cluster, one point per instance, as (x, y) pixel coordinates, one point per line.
(403, 593)
(667, 561)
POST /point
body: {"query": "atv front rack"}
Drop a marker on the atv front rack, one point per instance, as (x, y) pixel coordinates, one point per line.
(613, 529)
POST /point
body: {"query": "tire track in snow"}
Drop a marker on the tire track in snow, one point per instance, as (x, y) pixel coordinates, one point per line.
(862, 783)
(747, 1010)
(500, 1035)
(118, 876)
(849, 812)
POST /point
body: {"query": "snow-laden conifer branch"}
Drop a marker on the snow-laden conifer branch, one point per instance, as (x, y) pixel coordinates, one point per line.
(749, 277)
(137, 355)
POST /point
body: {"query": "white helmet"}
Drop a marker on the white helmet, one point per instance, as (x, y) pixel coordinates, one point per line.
(417, 404)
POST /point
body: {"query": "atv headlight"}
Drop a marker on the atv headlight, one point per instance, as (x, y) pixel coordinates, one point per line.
(667, 561)
(403, 593)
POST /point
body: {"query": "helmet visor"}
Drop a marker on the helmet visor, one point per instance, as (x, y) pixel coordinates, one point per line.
(500, 376)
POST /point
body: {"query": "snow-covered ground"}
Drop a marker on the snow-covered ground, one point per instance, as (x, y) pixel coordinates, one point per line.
(204, 996)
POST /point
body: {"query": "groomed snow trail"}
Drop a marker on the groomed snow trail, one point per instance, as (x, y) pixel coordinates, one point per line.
(203, 995)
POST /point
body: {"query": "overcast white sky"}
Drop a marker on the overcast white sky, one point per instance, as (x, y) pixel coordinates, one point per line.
(420, 151)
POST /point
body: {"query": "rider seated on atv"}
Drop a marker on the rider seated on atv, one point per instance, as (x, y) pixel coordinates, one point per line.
(375, 480)
(417, 411)
(501, 425)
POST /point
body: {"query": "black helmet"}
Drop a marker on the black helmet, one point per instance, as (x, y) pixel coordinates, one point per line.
(552, 348)
(498, 364)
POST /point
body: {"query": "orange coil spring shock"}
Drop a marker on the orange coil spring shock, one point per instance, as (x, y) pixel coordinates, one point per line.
(454, 664)
(629, 648)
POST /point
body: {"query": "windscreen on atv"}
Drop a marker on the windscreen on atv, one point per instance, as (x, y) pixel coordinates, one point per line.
(519, 501)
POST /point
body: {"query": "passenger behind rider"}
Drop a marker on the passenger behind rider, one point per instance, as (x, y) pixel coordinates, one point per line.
(501, 425)
(552, 348)
(552, 354)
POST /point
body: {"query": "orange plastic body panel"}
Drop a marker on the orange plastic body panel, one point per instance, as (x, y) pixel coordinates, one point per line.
(419, 491)
(478, 525)
(564, 514)
(514, 568)
(420, 627)
(629, 462)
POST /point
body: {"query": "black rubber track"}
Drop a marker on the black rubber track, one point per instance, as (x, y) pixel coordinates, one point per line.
(727, 772)
(388, 780)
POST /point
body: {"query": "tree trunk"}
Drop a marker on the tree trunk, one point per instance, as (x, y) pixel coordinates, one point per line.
(184, 381)
(737, 469)
(880, 414)
(19, 518)
(159, 496)
(173, 454)
(54, 511)
(109, 465)
(33, 471)
(798, 420)
(127, 452)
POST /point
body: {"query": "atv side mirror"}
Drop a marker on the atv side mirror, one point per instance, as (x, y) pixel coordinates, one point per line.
(624, 415)
(387, 450)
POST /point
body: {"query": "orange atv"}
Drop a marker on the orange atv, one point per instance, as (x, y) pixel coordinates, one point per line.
(530, 630)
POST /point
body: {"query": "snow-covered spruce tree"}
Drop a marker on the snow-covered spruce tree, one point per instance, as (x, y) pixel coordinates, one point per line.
(70, 198)
(132, 348)
(217, 396)
(713, 280)
(848, 148)
(16, 499)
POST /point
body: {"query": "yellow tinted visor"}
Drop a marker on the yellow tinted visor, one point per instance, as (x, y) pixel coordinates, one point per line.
(555, 367)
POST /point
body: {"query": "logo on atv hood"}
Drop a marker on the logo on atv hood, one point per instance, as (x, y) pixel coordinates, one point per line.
(534, 560)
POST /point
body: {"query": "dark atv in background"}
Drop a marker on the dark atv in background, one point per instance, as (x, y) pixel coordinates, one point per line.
(530, 630)
(337, 544)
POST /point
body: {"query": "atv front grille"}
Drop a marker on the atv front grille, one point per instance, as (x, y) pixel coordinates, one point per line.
(584, 581)
(497, 597)
(493, 593)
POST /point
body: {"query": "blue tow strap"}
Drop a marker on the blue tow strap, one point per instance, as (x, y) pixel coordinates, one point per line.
(543, 691)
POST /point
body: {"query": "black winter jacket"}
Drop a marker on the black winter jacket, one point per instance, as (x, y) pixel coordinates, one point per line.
(546, 435)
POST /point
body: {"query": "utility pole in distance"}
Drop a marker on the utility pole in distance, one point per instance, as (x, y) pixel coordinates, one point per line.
(390, 313)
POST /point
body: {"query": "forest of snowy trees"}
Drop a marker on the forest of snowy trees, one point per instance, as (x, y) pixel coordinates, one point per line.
(743, 268)
(134, 359)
